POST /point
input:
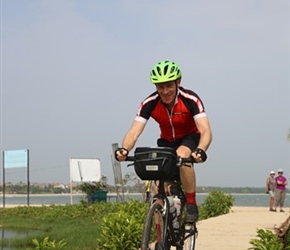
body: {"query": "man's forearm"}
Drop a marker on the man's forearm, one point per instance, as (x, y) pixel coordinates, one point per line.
(205, 140)
(129, 142)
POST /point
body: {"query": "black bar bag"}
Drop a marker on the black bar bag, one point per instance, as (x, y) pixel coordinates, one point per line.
(156, 163)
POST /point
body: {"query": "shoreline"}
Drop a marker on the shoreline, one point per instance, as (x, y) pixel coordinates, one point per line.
(240, 200)
(39, 195)
(114, 193)
(233, 208)
(62, 194)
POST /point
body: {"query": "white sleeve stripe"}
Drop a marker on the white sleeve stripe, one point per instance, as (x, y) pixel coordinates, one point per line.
(195, 99)
(150, 99)
(192, 97)
(145, 101)
(199, 116)
(140, 119)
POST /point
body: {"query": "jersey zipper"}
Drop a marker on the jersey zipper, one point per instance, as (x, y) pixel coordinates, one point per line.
(170, 120)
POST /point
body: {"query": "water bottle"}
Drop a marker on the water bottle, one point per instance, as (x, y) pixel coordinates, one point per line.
(173, 211)
(177, 204)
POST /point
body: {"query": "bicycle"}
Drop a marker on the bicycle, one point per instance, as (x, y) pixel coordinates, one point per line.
(161, 163)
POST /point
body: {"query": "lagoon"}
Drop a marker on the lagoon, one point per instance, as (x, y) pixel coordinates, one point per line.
(247, 200)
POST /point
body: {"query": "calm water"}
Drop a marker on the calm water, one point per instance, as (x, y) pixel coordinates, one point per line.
(9, 233)
(251, 200)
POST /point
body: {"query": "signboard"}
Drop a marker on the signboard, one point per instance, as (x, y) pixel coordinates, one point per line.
(16, 158)
(85, 170)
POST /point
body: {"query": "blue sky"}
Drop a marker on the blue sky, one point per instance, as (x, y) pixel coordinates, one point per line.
(73, 74)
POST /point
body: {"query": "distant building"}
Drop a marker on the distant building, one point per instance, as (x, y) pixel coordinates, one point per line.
(60, 185)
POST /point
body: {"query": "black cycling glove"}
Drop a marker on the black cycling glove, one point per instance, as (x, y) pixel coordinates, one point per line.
(202, 154)
(121, 150)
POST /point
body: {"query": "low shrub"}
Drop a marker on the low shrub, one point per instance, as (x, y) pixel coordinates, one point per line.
(122, 230)
(288, 237)
(47, 244)
(266, 240)
(215, 204)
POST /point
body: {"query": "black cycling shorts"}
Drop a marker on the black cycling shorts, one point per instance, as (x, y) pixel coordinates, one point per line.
(191, 141)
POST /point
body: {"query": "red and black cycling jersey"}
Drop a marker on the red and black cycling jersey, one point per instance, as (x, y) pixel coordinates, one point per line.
(177, 123)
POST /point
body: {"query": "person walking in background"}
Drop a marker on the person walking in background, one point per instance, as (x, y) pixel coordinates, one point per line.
(280, 192)
(270, 189)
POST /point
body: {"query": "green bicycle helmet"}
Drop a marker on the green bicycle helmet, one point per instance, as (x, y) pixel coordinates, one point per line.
(165, 71)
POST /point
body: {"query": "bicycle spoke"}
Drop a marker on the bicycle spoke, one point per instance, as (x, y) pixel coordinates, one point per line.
(190, 237)
(153, 229)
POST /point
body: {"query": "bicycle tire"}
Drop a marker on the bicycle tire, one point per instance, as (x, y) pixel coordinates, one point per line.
(189, 243)
(149, 236)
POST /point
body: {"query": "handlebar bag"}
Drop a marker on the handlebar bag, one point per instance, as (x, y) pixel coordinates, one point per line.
(155, 163)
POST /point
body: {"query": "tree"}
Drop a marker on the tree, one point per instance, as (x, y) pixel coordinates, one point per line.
(139, 185)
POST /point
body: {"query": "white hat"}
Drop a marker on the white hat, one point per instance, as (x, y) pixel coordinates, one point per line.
(280, 170)
(272, 172)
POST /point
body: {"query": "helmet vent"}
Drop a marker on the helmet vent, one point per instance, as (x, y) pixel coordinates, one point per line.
(159, 70)
(165, 69)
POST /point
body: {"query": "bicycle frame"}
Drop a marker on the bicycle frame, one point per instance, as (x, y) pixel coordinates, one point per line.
(175, 237)
(161, 195)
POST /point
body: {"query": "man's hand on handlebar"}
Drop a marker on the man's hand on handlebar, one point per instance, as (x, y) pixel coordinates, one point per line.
(121, 154)
(199, 155)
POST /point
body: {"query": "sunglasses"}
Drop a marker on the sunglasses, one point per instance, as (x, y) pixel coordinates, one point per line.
(272, 174)
(280, 172)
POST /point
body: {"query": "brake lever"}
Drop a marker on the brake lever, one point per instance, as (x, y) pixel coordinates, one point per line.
(129, 165)
(179, 161)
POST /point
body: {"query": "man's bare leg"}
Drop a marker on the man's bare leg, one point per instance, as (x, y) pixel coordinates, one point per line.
(188, 180)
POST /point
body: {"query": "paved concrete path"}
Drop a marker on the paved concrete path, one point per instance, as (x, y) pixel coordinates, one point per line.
(235, 230)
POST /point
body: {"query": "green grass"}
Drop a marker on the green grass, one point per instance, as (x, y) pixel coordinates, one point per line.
(77, 225)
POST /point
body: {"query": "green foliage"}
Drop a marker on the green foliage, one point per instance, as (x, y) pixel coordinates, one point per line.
(288, 237)
(91, 187)
(47, 244)
(77, 225)
(267, 241)
(122, 230)
(58, 211)
(215, 204)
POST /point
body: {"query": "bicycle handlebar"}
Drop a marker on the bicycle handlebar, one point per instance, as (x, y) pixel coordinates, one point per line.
(180, 160)
(130, 158)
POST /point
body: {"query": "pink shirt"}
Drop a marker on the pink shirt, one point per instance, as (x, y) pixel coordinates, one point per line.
(282, 179)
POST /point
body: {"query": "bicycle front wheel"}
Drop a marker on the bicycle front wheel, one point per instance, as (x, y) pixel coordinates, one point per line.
(190, 237)
(154, 228)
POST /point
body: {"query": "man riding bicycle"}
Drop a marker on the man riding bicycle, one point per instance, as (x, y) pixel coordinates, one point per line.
(183, 124)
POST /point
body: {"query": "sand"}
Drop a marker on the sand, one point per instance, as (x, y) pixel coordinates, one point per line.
(235, 230)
